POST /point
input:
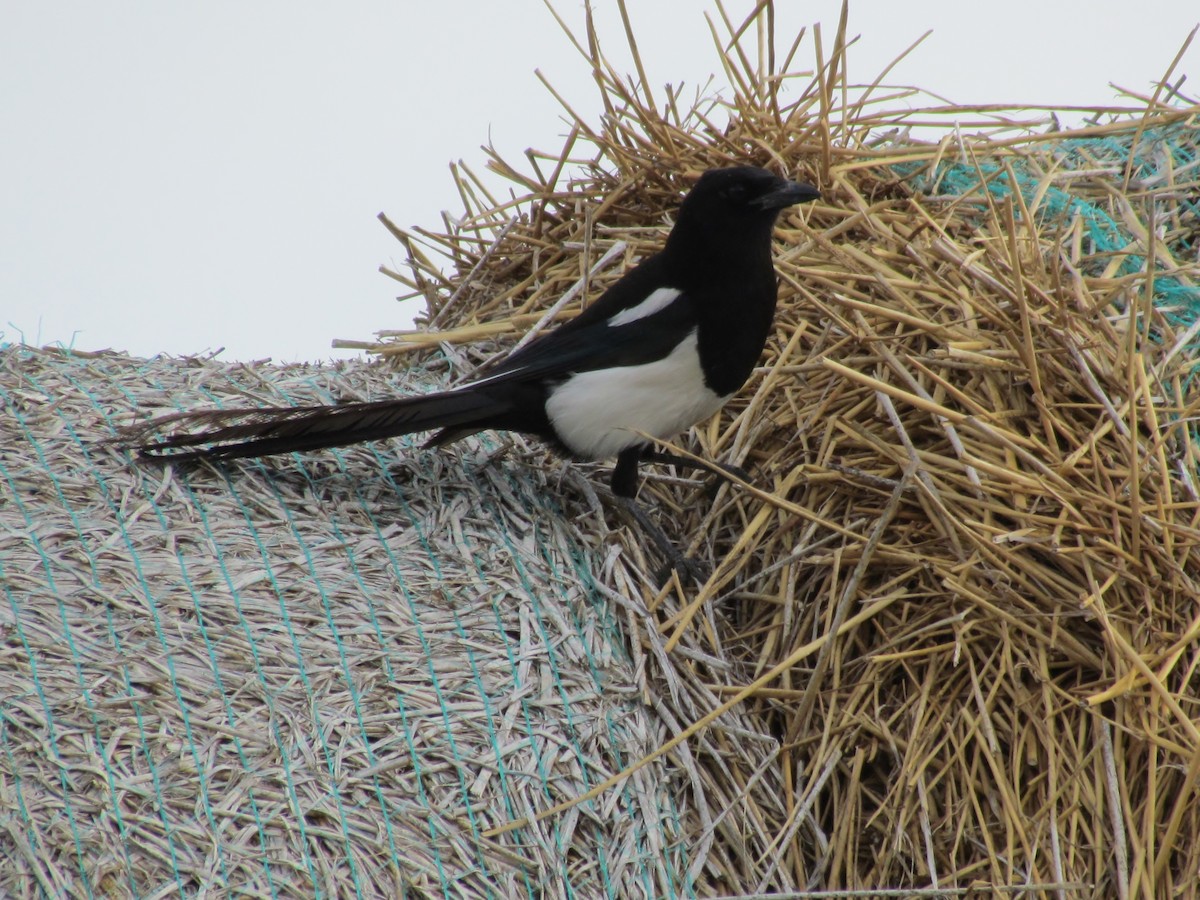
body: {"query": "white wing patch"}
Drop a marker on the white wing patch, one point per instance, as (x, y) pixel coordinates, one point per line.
(596, 414)
(648, 307)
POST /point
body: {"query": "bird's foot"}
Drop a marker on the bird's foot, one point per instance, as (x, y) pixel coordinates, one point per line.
(685, 566)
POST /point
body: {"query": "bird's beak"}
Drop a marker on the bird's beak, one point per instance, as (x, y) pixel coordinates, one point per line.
(788, 193)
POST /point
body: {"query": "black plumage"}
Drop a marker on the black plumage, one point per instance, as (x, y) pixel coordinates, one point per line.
(660, 350)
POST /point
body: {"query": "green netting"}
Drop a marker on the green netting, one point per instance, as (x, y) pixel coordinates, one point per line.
(1149, 159)
(321, 676)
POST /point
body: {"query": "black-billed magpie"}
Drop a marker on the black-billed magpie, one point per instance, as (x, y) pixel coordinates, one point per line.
(661, 350)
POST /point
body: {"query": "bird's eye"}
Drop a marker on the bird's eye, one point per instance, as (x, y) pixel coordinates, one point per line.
(735, 193)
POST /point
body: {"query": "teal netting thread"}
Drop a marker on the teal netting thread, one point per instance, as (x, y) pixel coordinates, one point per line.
(1158, 151)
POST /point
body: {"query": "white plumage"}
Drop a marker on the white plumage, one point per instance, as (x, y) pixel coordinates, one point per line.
(657, 300)
(597, 414)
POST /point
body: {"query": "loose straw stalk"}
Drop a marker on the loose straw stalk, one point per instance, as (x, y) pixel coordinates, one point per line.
(974, 343)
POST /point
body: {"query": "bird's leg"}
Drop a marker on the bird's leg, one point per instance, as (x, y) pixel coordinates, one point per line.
(624, 479)
(624, 483)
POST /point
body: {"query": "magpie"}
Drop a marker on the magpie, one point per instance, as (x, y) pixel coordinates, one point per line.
(661, 350)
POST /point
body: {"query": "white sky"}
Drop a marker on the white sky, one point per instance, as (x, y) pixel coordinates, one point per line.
(180, 177)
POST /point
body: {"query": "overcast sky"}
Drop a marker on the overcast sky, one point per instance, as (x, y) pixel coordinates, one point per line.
(181, 177)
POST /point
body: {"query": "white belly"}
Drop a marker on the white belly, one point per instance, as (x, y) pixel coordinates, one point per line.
(597, 414)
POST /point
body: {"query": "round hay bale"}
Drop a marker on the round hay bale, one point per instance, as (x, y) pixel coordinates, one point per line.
(303, 677)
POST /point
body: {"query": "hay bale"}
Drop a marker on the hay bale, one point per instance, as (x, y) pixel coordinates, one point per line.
(950, 640)
(963, 596)
(327, 675)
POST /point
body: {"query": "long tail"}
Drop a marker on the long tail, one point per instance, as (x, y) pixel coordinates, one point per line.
(238, 433)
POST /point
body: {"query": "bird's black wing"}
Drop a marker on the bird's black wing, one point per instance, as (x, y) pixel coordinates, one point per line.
(502, 398)
(586, 346)
(589, 342)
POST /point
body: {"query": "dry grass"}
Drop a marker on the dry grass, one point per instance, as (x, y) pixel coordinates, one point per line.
(951, 636)
(304, 677)
(964, 600)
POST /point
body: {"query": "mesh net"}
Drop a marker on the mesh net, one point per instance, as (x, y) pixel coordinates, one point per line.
(310, 677)
(1145, 160)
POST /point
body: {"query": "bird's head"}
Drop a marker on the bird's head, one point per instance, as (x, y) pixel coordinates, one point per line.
(744, 193)
(736, 205)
